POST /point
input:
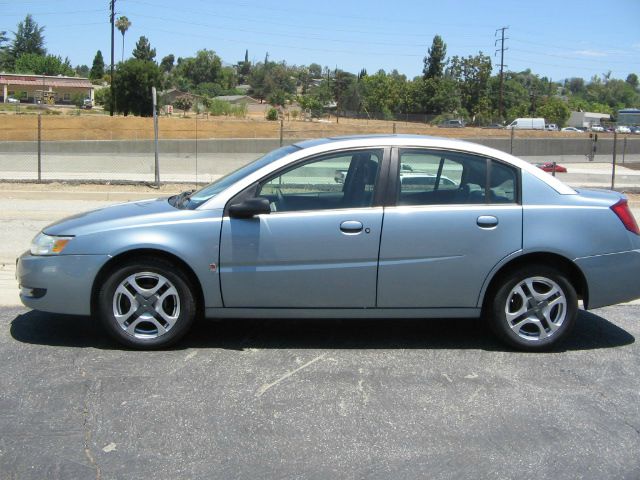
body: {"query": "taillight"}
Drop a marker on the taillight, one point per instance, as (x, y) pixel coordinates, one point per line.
(621, 209)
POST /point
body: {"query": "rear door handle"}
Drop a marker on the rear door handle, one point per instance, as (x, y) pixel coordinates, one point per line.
(351, 227)
(487, 221)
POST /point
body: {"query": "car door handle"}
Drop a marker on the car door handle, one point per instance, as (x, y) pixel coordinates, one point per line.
(351, 226)
(487, 221)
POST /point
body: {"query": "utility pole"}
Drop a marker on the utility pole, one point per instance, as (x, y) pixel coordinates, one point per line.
(113, 15)
(502, 65)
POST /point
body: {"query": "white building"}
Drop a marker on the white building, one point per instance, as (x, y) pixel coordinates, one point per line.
(587, 119)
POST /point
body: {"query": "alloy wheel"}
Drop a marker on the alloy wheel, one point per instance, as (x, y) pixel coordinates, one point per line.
(146, 305)
(536, 308)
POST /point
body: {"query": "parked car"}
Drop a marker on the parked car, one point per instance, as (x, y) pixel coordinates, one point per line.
(12, 100)
(635, 130)
(552, 127)
(571, 129)
(597, 128)
(549, 167)
(451, 124)
(494, 126)
(279, 237)
(623, 129)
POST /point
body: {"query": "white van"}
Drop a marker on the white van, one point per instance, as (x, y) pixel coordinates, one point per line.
(527, 124)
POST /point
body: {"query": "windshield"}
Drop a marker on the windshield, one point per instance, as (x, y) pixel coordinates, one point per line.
(213, 189)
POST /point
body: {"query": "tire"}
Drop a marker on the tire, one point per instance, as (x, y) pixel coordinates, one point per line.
(533, 309)
(148, 304)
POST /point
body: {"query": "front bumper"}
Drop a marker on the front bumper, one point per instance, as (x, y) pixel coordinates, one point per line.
(611, 278)
(58, 284)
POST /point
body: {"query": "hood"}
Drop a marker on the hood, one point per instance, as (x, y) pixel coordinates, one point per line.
(114, 216)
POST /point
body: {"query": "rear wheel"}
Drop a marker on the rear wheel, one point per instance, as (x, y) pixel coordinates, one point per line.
(147, 304)
(534, 308)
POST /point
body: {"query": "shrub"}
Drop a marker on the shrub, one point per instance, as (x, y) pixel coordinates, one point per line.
(272, 114)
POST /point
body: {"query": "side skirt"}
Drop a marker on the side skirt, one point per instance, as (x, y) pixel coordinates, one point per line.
(342, 312)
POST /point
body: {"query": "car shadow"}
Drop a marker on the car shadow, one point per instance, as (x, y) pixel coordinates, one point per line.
(591, 332)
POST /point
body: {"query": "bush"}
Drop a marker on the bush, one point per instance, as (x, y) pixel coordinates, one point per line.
(272, 114)
(184, 103)
(219, 107)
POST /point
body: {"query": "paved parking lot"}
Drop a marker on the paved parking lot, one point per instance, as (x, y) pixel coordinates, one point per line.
(307, 399)
(318, 399)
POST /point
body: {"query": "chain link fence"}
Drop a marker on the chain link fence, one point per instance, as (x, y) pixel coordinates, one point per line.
(199, 149)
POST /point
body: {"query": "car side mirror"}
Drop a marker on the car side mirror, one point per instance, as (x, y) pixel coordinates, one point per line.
(250, 208)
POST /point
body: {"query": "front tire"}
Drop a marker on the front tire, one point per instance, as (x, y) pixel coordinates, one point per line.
(534, 308)
(148, 304)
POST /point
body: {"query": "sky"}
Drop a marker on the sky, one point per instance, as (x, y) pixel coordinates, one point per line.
(557, 39)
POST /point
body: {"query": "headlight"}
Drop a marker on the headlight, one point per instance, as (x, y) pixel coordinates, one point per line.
(48, 245)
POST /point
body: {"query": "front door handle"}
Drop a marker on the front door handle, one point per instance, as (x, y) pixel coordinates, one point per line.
(351, 227)
(487, 221)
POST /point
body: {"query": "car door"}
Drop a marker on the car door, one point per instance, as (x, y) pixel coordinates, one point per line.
(442, 237)
(318, 248)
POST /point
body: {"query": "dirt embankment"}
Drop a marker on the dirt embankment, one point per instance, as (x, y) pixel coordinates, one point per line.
(101, 127)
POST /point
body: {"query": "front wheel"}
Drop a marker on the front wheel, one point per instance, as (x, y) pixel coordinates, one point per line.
(147, 304)
(534, 308)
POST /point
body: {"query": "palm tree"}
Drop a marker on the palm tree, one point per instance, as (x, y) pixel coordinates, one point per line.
(123, 25)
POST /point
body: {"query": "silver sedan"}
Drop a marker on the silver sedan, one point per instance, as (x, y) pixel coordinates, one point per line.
(487, 236)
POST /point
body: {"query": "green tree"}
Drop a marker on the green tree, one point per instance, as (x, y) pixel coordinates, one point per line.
(435, 96)
(266, 79)
(43, 65)
(472, 74)
(382, 94)
(434, 62)
(78, 99)
(143, 50)
(554, 110)
(102, 96)
(341, 89)
(315, 70)
(575, 85)
(272, 114)
(82, 71)
(184, 103)
(515, 97)
(166, 64)
(132, 85)
(97, 68)
(123, 24)
(27, 39)
(244, 68)
(3, 47)
(632, 79)
(205, 67)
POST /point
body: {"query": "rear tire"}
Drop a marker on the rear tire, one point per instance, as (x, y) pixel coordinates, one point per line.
(148, 304)
(533, 309)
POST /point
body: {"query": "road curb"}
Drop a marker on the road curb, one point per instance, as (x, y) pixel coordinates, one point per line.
(84, 195)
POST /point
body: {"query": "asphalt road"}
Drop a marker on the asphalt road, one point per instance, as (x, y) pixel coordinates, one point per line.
(318, 399)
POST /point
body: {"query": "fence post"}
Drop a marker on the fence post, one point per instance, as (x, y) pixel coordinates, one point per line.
(613, 169)
(39, 147)
(624, 148)
(394, 128)
(281, 130)
(155, 137)
(513, 131)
